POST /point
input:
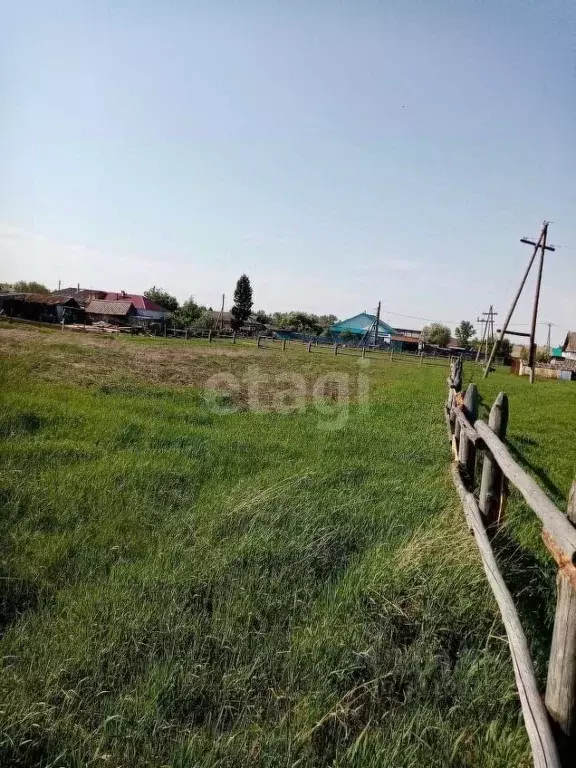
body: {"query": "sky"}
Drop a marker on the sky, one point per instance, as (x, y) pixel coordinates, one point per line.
(339, 153)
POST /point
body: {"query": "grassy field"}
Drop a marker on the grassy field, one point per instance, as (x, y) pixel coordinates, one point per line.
(188, 581)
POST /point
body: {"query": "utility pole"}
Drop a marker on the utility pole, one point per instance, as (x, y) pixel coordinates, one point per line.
(485, 324)
(487, 320)
(220, 318)
(539, 244)
(376, 326)
(548, 345)
(543, 249)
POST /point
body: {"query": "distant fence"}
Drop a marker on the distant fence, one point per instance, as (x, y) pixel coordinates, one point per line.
(369, 353)
(479, 445)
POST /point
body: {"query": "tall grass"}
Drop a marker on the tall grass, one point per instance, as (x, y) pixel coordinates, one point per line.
(188, 588)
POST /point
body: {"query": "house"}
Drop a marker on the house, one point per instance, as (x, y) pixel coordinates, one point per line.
(361, 324)
(405, 343)
(569, 346)
(140, 312)
(145, 311)
(114, 312)
(409, 332)
(41, 307)
(82, 295)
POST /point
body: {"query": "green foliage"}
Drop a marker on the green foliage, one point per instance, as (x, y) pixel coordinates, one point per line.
(242, 308)
(301, 322)
(505, 349)
(162, 298)
(436, 333)
(189, 313)
(23, 286)
(206, 319)
(262, 317)
(464, 333)
(347, 336)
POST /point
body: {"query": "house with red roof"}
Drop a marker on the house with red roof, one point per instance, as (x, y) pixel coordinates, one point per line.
(143, 307)
(116, 307)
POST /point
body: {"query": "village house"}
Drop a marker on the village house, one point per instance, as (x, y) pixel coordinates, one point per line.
(569, 346)
(364, 324)
(41, 307)
(115, 308)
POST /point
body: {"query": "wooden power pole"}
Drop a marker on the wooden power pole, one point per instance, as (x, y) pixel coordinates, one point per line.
(377, 324)
(540, 245)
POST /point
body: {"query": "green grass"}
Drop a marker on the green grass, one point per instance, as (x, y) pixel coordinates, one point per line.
(187, 587)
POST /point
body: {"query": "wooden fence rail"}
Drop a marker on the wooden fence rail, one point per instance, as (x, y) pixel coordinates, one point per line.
(420, 358)
(473, 442)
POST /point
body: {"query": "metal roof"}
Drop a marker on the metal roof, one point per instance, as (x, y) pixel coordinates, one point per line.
(102, 307)
(138, 301)
(361, 323)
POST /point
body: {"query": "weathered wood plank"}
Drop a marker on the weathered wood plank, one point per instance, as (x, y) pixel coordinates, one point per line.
(491, 486)
(467, 450)
(555, 522)
(544, 751)
(561, 683)
(466, 426)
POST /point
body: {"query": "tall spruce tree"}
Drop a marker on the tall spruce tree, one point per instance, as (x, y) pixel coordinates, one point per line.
(242, 303)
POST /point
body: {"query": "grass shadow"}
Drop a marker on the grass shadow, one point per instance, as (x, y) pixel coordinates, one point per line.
(533, 590)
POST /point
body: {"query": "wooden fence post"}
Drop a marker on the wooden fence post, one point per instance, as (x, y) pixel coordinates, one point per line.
(491, 496)
(283, 345)
(210, 337)
(363, 352)
(186, 334)
(467, 450)
(335, 349)
(234, 338)
(561, 683)
(309, 346)
(258, 341)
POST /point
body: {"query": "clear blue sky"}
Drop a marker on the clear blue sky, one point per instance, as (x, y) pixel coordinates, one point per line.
(337, 152)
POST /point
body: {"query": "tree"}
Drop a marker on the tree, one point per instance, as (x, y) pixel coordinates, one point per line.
(346, 336)
(21, 286)
(189, 312)
(207, 319)
(262, 317)
(436, 333)
(242, 303)
(162, 298)
(325, 320)
(464, 333)
(505, 349)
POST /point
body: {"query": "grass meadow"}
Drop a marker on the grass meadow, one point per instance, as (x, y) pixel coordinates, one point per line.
(190, 582)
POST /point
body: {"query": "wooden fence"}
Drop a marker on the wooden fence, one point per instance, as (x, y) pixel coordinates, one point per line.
(477, 445)
(368, 353)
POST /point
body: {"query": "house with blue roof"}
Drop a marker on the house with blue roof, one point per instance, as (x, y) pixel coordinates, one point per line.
(360, 324)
